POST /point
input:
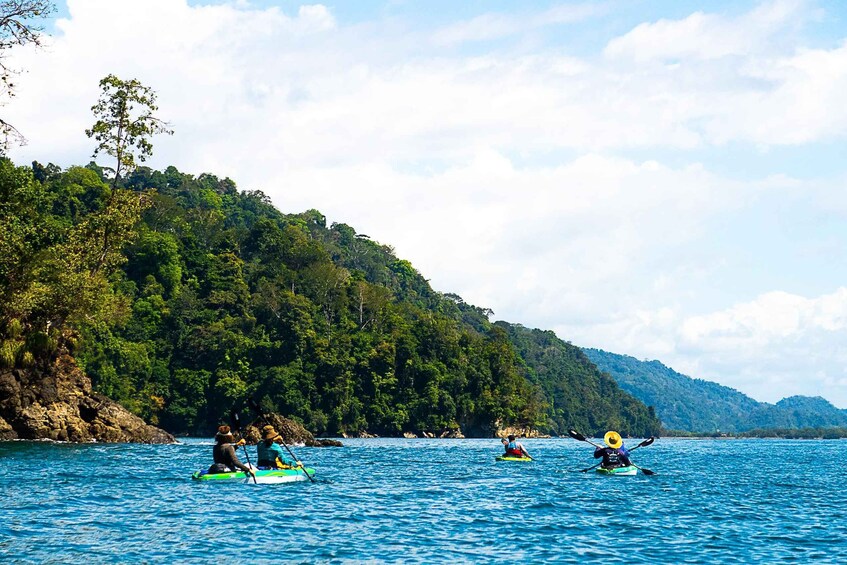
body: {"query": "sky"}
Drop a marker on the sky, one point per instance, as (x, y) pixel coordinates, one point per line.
(661, 179)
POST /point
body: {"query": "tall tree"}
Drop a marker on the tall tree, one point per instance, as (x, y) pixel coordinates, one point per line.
(125, 123)
(17, 29)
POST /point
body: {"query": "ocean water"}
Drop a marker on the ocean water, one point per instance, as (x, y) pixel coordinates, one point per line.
(429, 501)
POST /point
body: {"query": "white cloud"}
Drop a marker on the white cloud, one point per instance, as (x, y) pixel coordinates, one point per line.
(776, 345)
(703, 36)
(306, 89)
(500, 175)
(495, 26)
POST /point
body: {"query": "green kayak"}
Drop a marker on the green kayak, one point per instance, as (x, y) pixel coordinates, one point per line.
(624, 471)
(510, 458)
(271, 476)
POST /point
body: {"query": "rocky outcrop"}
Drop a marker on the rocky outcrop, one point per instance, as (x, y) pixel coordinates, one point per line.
(53, 399)
(360, 435)
(518, 432)
(291, 432)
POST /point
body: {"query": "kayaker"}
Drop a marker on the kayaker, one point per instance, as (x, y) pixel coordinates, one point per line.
(226, 461)
(514, 448)
(615, 454)
(270, 454)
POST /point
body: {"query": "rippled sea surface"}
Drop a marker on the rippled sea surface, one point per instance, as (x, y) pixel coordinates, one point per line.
(730, 501)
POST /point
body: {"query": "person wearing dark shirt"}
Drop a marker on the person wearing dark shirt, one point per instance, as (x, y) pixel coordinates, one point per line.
(226, 461)
(614, 454)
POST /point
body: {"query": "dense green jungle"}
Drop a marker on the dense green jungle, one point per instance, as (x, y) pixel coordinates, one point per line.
(182, 297)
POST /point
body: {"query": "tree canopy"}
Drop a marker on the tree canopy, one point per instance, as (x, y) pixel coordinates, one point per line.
(186, 296)
(125, 123)
(18, 28)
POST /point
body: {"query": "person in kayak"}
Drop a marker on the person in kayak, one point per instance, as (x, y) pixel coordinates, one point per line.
(514, 448)
(226, 461)
(270, 454)
(615, 454)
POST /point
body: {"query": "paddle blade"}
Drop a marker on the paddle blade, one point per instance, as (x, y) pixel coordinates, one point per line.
(647, 442)
(647, 472)
(576, 435)
(235, 421)
(253, 405)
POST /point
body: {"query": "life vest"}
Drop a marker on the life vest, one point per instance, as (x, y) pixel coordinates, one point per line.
(512, 450)
(612, 458)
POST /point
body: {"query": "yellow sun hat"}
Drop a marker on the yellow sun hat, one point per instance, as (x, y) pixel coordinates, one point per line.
(613, 439)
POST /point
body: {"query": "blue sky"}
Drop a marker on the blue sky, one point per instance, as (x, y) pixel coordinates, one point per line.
(659, 179)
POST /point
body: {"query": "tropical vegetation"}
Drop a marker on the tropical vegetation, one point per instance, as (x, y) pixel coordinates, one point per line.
(182, 296)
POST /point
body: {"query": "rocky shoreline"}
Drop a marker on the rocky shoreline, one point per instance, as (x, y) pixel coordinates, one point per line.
(291, 432)
(53, 400)
(524, 433)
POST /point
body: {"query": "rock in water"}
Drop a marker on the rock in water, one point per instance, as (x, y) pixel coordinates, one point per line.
(53, 400)
(291, 432)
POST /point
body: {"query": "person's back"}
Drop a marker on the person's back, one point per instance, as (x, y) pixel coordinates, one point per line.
(612, 458)
(224, 455)
(269, 453)
(514, 448)
(615, 454)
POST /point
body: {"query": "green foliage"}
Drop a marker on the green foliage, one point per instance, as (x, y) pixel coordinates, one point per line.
(125, 122)
(699, 406)
(798, 433)
(17, 30)
(580, 396)
(215, 296)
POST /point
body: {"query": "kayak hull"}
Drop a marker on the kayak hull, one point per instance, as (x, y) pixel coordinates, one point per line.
(269, 477)
(619, 471)
(508, 458)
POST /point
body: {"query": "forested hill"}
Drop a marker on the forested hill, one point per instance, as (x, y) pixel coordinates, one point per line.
(695, 405)
(579, 394)
(182, 296)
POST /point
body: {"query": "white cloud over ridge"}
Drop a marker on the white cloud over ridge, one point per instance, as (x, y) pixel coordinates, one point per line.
(510, 178)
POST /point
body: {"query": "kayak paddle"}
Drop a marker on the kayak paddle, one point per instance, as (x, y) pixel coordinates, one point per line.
(644, 443)
(647, 472)
(253, 405)
(236, 425)
(589, 468)
(578, 436)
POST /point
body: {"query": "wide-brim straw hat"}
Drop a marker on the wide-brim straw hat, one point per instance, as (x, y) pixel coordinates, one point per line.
(268, 432)
(613, 439)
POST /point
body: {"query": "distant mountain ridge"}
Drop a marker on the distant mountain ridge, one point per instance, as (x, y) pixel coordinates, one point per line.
(695, 405)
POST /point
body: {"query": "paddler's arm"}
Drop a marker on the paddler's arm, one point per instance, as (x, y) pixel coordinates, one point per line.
(229, 451)
(286, 460)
